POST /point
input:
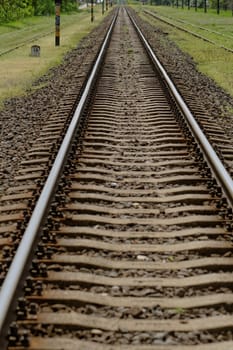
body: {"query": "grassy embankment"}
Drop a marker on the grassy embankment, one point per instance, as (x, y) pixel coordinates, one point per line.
(18, 69)
(211, 59)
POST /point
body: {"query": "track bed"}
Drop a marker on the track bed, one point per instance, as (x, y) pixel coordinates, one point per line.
(137, 253)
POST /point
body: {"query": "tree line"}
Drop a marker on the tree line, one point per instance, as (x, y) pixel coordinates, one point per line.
(212, 4)
(15, 9)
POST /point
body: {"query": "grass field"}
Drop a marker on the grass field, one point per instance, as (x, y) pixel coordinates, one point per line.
(218, 28)
(211, 59)
(17, 68)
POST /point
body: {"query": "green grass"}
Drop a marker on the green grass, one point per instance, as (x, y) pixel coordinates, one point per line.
(211, 59)
(16, 33)
(18, 69)
(218, 28)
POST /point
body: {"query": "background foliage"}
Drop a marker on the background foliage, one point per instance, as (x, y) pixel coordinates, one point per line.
(15, 9)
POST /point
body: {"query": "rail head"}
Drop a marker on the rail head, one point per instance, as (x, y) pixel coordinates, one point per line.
(218, 170)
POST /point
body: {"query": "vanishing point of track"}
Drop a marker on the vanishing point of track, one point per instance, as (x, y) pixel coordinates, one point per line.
(136, 251)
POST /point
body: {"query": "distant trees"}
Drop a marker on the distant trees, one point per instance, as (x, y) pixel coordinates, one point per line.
(46, 7)
(214, 4)
(16, 9)
(224, 4)
(13, 9)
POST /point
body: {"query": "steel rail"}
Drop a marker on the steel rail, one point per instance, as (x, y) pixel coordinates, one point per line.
(16, 271)
(220, 173)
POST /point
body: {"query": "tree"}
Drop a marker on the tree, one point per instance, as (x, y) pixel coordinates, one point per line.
(16, 9)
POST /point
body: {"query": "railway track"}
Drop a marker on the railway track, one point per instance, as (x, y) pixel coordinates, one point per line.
(136, 251)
